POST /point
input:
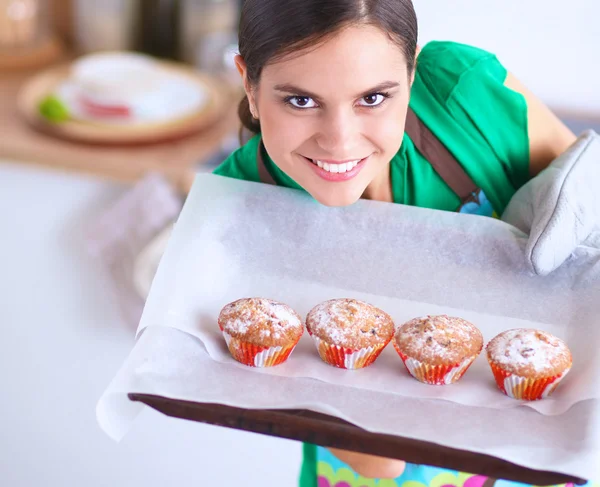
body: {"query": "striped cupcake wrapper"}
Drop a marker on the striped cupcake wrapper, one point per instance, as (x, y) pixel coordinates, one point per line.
(524, 388)
(256, 356)
(347, 358)
(437, 375)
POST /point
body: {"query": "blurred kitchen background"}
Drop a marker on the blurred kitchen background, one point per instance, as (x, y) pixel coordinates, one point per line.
(84, 219)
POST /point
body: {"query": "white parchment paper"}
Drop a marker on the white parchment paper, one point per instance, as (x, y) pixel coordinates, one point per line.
(238, 239)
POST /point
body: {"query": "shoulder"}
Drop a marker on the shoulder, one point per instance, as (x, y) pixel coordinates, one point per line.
(462, 56)
(241, 164)
(461, 95)
(519, 125)
(444, 65)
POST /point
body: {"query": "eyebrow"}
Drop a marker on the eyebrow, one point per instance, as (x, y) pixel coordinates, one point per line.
(289, 88)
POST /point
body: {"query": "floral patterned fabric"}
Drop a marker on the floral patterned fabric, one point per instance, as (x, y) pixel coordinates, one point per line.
(331, 472)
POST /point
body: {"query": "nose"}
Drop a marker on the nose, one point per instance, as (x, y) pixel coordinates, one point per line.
(338, 134)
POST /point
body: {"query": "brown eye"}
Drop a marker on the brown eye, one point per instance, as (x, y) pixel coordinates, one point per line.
(373, 100)
(301, 102)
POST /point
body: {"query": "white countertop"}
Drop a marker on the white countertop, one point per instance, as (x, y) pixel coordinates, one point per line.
(63, 340)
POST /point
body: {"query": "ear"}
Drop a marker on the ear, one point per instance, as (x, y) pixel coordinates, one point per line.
(240, 64)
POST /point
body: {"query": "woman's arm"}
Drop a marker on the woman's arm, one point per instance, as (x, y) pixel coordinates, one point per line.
(548, 136)
(370, 466)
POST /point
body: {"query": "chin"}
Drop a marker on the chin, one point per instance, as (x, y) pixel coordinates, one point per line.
(336, 198)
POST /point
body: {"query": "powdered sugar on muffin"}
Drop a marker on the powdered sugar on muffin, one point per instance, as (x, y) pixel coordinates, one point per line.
(261, 321)
(530, 353)
(439, 340)
(350, 323)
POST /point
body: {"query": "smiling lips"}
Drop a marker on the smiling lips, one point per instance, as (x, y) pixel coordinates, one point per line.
(337, 171)
(337, 167)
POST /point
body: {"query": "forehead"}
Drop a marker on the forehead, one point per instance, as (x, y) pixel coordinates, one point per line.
(354, 59)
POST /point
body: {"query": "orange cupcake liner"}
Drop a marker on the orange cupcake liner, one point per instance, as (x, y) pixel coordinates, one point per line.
(523, 388)
(347, 358)
(437, 375)
(257, 356)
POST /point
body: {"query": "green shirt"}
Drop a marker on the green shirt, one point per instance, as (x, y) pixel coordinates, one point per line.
(459, 94)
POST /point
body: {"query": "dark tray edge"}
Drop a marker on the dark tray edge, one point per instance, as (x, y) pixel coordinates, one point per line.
(320, 429)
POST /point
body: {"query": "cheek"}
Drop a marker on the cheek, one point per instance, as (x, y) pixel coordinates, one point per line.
(283, 131)
(386, 131)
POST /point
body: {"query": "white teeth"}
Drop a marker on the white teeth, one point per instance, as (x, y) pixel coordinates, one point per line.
(337, 168)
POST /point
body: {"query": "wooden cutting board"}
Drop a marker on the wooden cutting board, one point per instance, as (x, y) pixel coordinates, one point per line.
(175, 160)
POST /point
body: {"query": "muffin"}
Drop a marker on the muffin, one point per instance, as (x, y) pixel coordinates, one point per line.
(528, 364)
(260, 332)
(438, 350)
(348, 333)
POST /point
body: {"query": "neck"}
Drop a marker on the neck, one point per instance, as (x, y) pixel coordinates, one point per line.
(380, 189)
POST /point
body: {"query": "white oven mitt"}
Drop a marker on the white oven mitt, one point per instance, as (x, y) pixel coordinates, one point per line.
(560, 208)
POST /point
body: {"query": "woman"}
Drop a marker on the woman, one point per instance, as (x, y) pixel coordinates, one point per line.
(345, 106)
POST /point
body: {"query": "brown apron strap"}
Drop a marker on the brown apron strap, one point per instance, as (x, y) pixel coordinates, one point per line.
(444, 163)
(263, 172)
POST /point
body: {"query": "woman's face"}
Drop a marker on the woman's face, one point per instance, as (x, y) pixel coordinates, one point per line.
(333, 117)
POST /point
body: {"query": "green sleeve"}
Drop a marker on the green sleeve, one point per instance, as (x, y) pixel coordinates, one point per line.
(241, 164)
(462, 98)
(497, 113)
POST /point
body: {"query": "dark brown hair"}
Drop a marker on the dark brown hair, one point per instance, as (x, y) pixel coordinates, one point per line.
(272, 29)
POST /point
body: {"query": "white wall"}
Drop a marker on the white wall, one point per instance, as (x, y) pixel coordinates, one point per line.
(553, 46)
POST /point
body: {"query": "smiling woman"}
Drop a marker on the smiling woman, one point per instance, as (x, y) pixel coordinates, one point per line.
(330, 110)
(345, 106)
